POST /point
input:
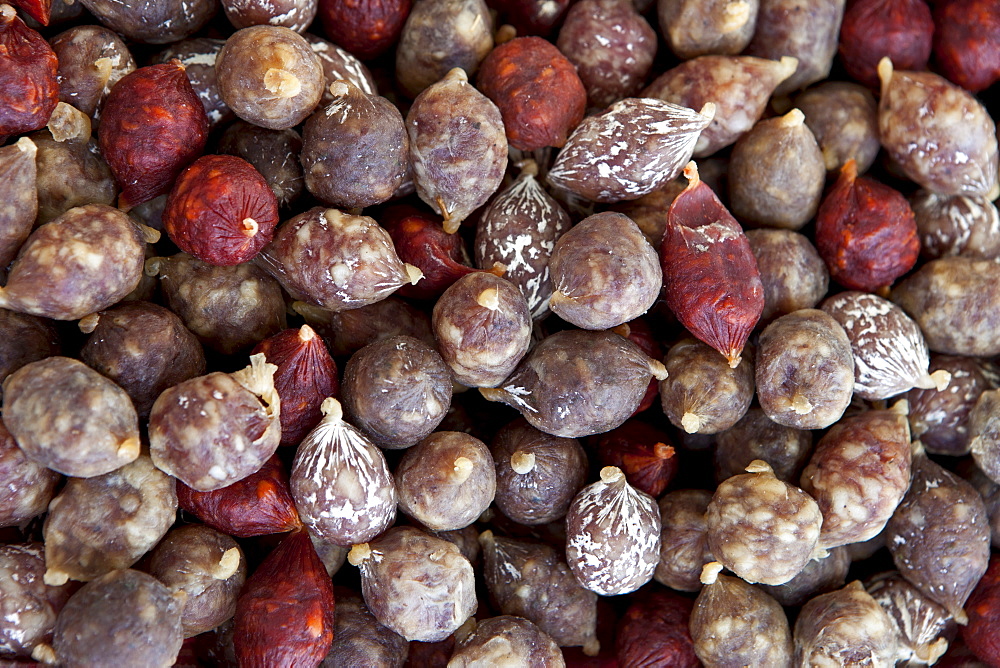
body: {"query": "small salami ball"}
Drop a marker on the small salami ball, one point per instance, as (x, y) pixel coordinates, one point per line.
(228, 308)
(612, 535)
(198, 56)
(604, 272)
(940, 134)
(273, 153)
(939, 418)
(359, 639)
(341, 483)
(23, 339)
(761, 528)
(832, 628)
(19, 189)
(923, 626)
(537, 474)
(340, 65)
(532, 580)
(83, 261)
(124, 618)
(355, 150)
(214, 430)
(145, 349)
(890, 354)
(577, 383)
(446, 481)
(107, 522)
(70, 418)
(939, 536)
(804, 370)
(28, 606)
(694, 28)
(703, 394)
(28, 486)
(757, 436)
(269, 76)
(507, 640)
(347, 332)
(956, 225)
(859, 473)
(818, 577)
(634, 147)
(519, 229)
(208, 566)
(683, 539)
(843, 116)
(735, 623)
(419, 586)
(458, 149)
(397, 391)
(984, 433)
(483, 328)
(792, 273)
(335, 260)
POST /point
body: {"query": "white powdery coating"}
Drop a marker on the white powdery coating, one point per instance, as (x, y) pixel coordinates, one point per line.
(947, 224)
(613, 537)
(526, 253)
(341, 484)
(629, 151)
(890, 354)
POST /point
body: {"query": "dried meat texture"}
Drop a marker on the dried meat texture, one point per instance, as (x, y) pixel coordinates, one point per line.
(818, 577)
(694, 28)
(939, 419)
(483, 328)
(858, 474)
(257, 505)
(865, 232)
(29, 89)
(342, 486)
(923, 626)
(152, 126)
(269, 76)
(519, 229)
(537, 475)
(776, 173)
(804, 370)
(874, 29)
(40, 10)
(577, 383)
(702, 394)
(984, 433)
(355, 150)
(92, 59)
(273, 153)
(124, 618)
(654, 632)
(956, 302)
(982, 634)
(221, 210)
(738, 86)
(358, 638)
(70, 173)
(506, 639)
(208, 566)
(710, 276)
(846, 627)
(153, 21)
(537, 89)
(761, 528)
(29, 485)
(229, 309)
(285, 613)
(85, 260)
(420, 241)
(19, 194)
(683, 539)
(145, 349)
(792, 273)
(964, 33)
(612, 535)
(440, 35)
(735, 623)
(956, 225)
(419, 586)
(340, 65)
(23, 339)
(214, 430)
(642, 452)
(604, 272)
(89, 427)
(292, 14)
(612, 47)
(804, 29)
(843, 116)
(890, 354)
(940, 135)
(346, 332)
(306, 376)
(198, 56)
(334, 260)
(365, 28)
(532, 580)
(458, 147)
(28, 606)
(634, 147)
(397, 391)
